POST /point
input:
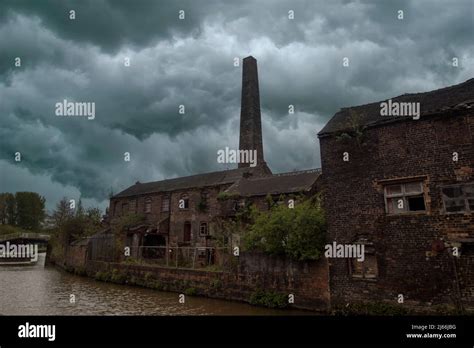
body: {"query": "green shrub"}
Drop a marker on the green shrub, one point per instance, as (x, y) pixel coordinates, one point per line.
(117, 277)
(268, 299)
(222, 196)
(190, 291)
(372, 308)
(102, 276)
(297, 232)
(216, 284)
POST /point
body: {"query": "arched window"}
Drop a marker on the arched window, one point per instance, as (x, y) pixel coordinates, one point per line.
(203, 229)
(184, 202)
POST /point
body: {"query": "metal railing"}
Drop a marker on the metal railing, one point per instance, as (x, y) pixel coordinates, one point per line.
(213, 258)
(24, 235)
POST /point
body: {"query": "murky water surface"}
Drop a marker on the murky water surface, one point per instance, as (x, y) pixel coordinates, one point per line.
(40, 290)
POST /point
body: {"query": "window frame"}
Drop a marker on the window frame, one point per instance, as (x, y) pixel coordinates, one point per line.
(404, 195)
(201, 224)
(148, 203)
(369, 250)
(133, 205)
(124, 208)
(187, 201)
(165, 201)
(465, 198)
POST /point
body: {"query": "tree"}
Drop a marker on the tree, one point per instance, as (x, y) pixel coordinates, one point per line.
(30, 210)
(297, 232)
(62, 213)
(3, 208)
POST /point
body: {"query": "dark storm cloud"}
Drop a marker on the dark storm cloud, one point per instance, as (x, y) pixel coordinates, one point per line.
(190, 62)
(111, 24)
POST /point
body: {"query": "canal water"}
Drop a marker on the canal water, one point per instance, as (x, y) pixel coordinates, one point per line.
(40, 290)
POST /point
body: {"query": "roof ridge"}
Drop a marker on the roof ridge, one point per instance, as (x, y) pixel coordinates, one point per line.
(433, 91)
(190, 176)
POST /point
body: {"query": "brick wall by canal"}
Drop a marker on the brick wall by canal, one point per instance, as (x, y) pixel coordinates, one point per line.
(253, 274)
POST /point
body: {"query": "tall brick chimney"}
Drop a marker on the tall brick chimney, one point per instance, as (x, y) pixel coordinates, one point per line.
(250, 118)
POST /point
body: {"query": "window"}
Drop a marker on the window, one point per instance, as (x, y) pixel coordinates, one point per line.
(165, 203)
(458, 198)
(205, 197)
(239, 205)
(404, 197)
(187, 232)
(184, 202)
(203, 229)
(148, 205)
(367, 269)
(204, 202)
(124, 208)
(133, 205)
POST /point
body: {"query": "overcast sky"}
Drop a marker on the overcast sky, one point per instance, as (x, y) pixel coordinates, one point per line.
(191, 62)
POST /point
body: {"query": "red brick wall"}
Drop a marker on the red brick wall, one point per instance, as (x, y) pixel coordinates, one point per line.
(308, 281)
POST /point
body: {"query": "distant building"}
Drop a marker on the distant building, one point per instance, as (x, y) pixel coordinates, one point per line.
(181, 212)
(404, 187)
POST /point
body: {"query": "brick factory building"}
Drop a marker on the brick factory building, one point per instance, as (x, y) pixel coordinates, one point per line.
(182, 212)
(404, 187)
(401, 185)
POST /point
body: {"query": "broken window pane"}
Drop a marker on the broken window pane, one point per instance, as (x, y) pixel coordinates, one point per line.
(405, 197)
(471, 204)
(454, 205)
(416, 203)
(452, 192)
(469, 190)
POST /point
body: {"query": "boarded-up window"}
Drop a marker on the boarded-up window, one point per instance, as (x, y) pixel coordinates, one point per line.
(404, 197)
(458, 198)
(367, 269)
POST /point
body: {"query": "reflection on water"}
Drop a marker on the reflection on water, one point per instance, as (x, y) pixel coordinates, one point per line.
(39, 290)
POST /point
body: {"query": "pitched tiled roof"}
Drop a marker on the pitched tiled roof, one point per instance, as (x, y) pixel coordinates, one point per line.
(293, 182)
(457, 96)
(186, 182)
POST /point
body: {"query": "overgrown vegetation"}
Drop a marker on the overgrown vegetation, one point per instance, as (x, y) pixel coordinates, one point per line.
(121, 224)
(268, 299)
(371, 308)
(356, 130)
(69, 223)
(297, 232)
(222, 196)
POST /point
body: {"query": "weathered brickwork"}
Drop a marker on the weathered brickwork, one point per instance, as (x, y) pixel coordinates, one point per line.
(307, 281)
(411, 259)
